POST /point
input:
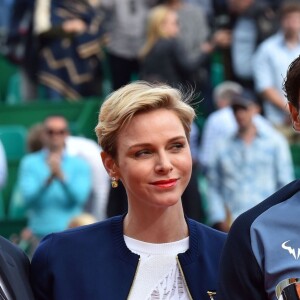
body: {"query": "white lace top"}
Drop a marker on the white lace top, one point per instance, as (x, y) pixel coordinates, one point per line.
(158, 276)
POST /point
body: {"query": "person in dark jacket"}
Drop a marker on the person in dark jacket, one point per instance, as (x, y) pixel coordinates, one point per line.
(70, 35)
(14, 272)
(163, 57)
(153, 251)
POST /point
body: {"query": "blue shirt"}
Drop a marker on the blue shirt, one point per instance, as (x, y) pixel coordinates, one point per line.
(242, 175)
(270, 64)
(220, 125)
(51, 207)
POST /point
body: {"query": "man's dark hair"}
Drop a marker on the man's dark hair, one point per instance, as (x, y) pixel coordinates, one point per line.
(288, 7)
(291, 84)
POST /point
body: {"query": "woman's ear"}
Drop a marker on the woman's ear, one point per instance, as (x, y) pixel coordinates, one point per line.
(294, 116)
(109, 164)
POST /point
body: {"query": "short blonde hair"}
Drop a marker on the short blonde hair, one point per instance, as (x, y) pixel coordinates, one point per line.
(137, 97)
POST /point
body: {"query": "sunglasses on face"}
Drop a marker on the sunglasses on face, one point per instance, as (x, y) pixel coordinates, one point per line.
(52, 132)
(236, 108)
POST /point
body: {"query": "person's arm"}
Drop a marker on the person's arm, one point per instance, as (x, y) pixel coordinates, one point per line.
(77, 184)
(74, 26)
(48, 23)
(283, 160)
(240, 274)
(32, 183)
(263, 75)
(273, 96)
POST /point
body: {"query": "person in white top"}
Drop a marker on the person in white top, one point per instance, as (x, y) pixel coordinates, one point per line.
(90, 151)
(153, 251)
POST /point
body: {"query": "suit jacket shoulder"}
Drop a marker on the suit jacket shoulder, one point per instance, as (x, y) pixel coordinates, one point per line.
(14, 269)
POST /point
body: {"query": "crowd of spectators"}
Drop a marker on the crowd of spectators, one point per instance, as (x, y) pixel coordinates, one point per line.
(65, 50)
(63, 46)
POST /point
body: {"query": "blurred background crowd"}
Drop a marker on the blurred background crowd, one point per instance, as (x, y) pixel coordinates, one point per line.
(60, 58)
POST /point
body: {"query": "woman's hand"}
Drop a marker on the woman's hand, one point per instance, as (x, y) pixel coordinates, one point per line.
(74, 26)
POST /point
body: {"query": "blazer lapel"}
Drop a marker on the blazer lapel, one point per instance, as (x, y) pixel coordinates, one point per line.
(7, 268)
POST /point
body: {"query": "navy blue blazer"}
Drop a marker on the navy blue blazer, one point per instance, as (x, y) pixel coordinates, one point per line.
(14, 271)
(92, 262)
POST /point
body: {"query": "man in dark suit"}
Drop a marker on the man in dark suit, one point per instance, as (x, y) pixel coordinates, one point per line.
(14, 273)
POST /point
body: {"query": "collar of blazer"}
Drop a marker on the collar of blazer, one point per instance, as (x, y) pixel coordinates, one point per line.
(8, 270)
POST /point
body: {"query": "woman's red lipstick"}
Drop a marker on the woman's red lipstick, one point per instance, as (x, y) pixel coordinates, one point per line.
(165, 183)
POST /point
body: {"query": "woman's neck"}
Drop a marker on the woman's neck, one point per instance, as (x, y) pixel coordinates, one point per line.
(160, 226)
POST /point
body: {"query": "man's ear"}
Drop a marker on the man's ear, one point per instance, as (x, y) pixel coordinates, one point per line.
(109, 164)
(294, 116)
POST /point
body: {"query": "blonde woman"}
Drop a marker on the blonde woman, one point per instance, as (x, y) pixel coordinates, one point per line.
(153, 251)
(163, 58)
